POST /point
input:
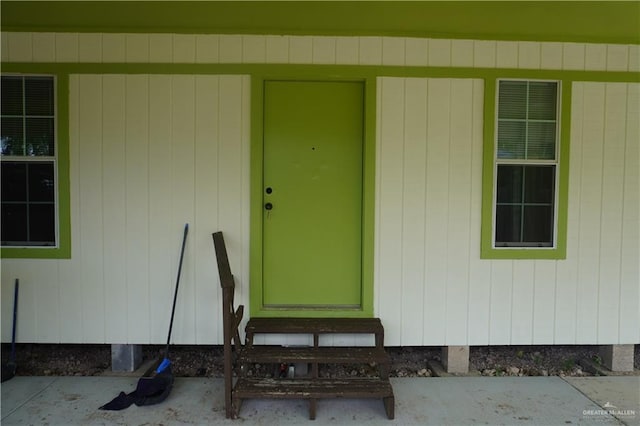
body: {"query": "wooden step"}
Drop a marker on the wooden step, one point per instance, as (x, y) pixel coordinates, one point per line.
(313, 389)
(314, 325)
(324, 354)
(248, 387)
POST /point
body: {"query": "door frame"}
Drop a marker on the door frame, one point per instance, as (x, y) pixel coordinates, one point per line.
(257, 308)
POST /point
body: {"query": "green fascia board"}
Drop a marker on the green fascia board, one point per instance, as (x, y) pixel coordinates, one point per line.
(63, 250)
(568, 21)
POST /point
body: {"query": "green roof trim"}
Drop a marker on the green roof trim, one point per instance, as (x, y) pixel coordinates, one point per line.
(567, 21)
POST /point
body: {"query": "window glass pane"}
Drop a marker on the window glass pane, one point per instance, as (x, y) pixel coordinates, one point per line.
(12, 137)
(14, 222)
(509, 189)
(539, 184)
(28, 186)
(537, 225)
(542, 100)
(14, 181)
(38, 96)
(42, 223)
(508, 224)
(40, 136)
(41, 183)
(541, 143)
(12, 96)
(511, 139)
(512, 100)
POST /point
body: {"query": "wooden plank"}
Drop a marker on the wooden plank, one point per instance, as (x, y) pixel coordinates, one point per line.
(551, 56)
(437, 204)
(300, 49)
(439, 53)
(507, 54)
(113, 48)
(319, 388)
(113, 199)
(479, 269)
(90, 170)
(207, 300)
(612, 212)
(43, 45)
(66, 47)
(484, 53)
(529, 54)
(46, 297)
(137, 48)
(544, 301)
(522, 300)
(389, 204)
(230, 48)
(161, 275)
(590, 211)
(324, 50)
(500, 302)
(137, 207)
(253, 49)
(314, 325)
(629, 313)
(184, 48)
(413, 212)
(567, 271)
(462, 53)
(325, 354)
(370, 51)
(393, 51)
(69, 270)
(89, 47)
(459, 212)
(277, 49)
(183, 200)
(207, 48)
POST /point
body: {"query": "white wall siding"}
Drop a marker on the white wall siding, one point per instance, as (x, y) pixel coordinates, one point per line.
(432, 288)
(148, 154)
(604, 188)
(373, 50)
(429, 144)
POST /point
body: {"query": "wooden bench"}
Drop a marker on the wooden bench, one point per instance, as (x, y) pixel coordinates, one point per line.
(239, 357)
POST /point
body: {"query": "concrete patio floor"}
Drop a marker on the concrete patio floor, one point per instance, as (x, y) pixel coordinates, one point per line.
(419, 401)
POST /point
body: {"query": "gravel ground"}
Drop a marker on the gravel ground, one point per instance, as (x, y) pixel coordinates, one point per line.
(207, 361)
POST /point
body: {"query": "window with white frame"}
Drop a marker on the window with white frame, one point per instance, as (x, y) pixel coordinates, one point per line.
(526, 164)
(28, 161)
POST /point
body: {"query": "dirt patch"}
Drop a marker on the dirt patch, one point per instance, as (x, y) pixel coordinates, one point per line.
(207, 361)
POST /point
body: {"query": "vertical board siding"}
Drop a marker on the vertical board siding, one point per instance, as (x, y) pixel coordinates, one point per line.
(425, 150)
(276, 49)
(148, 154)
(432, 288)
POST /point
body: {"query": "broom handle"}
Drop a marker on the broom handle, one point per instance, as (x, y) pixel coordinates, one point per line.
(15, 317)
(175, 295)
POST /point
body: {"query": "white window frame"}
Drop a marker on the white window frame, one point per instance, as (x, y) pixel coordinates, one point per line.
(526, 162)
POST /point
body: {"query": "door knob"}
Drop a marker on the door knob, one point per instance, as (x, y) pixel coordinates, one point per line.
(268, 206)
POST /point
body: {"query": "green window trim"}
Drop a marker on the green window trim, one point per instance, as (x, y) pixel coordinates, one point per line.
(63, 248)
(487, 250)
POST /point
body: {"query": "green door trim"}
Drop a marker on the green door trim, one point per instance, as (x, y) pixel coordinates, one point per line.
(257, 309)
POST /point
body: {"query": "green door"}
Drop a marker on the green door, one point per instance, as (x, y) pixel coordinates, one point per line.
(312, 195)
